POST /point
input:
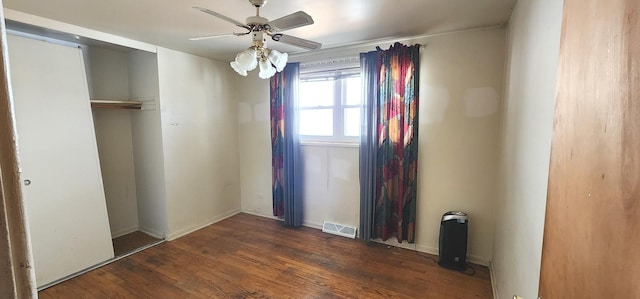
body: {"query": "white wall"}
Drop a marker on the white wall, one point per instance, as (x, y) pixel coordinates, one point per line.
(461, 78)
(460, 89)
(115, 146)
(532, 50)
(199, 135)
(109, 80)
(254, 144)
(107, 73)
(147, 144)
(331, 185)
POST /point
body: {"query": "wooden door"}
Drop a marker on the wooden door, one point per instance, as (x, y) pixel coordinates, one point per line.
(591, 245)
(65, 203)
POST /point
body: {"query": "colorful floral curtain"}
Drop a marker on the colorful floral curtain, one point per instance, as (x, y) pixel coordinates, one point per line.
(277, 144)
(396, 143)
(286, 174)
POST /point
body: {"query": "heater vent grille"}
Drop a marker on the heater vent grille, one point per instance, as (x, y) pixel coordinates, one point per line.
(338, 229)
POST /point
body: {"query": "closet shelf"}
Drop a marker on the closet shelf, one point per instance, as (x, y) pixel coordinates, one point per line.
(111, 104)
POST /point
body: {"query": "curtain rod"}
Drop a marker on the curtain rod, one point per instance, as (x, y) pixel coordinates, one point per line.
(342, 60)
(384, 40)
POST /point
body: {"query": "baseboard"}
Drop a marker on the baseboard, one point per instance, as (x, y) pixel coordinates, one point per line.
(152, 232)
(494, 284)
(478, 260)
(312, 224)
(429, 249)
(179, 233)
(304, 223)
(123, 232)
(410, 246)
(254, 213)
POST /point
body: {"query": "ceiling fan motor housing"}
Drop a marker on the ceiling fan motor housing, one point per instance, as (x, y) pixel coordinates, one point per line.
(256, 20)
(258, 3)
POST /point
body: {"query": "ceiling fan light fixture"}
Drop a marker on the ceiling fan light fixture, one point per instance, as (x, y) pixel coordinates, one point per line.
(279, 60)
(247, 59)
(266, 69)
(259, 28)
(236, 67)
(270, 61)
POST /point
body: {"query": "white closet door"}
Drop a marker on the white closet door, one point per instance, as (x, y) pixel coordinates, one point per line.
(57, 149)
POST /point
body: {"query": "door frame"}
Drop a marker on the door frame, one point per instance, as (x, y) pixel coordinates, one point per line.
(16, 261)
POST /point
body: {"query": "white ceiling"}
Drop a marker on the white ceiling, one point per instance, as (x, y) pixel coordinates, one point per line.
(169, 23)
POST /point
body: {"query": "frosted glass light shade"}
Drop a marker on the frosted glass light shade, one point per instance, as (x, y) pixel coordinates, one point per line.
(236, 67)
(266, 69)
(279, 60)
(245, 61)
(270, 61)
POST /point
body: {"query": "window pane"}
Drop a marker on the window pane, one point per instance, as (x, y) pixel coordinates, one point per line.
(354, 92)
(316, 122)
(352, 122)
(316, 93)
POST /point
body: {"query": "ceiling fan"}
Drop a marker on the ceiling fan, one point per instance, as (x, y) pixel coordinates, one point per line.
(259, 27)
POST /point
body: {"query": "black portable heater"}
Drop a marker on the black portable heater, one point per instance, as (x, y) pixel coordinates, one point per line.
(453, 241)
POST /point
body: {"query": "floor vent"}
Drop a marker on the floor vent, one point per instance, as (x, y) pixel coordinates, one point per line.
(340, 230)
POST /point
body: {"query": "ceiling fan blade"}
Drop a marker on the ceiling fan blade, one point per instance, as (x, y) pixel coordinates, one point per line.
(294, 20)
(221, 16)
(212, 36)
(296, 41)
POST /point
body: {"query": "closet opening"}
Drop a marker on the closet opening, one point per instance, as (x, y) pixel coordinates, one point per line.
(91, 156)
(122, 100)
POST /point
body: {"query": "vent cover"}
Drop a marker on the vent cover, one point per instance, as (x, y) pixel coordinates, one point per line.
(338, 229)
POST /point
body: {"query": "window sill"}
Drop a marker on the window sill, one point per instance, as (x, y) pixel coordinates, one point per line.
(329, 143)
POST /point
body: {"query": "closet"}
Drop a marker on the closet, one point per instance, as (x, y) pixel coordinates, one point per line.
(123, 96)
(90, 150)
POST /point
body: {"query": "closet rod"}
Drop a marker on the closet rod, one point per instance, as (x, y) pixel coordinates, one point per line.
(111, 104)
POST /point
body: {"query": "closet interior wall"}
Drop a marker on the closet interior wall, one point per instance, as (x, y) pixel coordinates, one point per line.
(129, 142)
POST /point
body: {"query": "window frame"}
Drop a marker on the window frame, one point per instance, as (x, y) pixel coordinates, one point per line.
(339, 78)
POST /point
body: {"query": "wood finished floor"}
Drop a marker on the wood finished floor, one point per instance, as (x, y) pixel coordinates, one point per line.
(131, 241)
(246, 256)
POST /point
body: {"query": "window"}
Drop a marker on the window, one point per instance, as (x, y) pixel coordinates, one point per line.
(329, 106)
